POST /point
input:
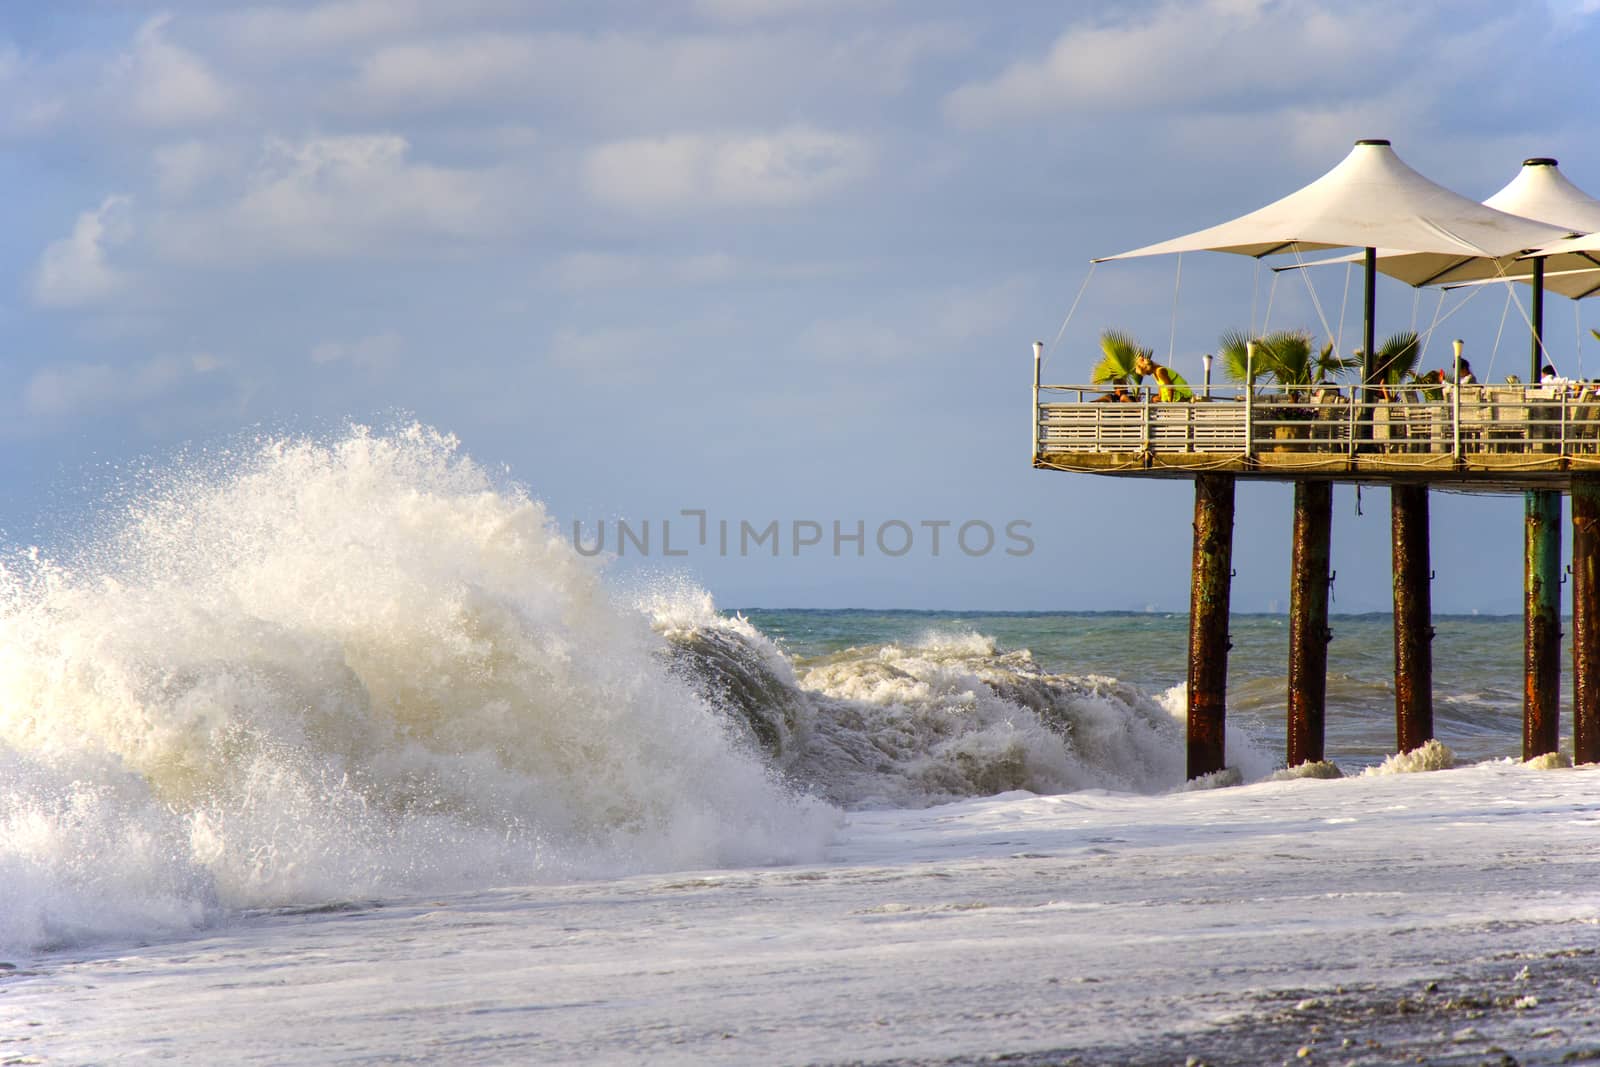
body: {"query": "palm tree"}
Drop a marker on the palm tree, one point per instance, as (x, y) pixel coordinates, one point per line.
(1233, 350)
(1287, 357)
(1396, 359)
(1119, 353)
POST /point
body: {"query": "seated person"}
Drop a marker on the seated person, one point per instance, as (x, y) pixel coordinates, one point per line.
(1169, 383)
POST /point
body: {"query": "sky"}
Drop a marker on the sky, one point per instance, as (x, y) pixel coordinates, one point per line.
(776, 261)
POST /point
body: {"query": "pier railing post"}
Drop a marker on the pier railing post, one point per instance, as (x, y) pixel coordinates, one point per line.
(1249, 398)
(1455, 404)
(1413, 629)
(1308, 621)
(1038, 357)
(1210, 582)
(1541, 648)
(1585, 618)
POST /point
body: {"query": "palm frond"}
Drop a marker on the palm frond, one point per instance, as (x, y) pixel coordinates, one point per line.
(1232, 351)
(1396, 358)
(1119, 355)
(1286, 356)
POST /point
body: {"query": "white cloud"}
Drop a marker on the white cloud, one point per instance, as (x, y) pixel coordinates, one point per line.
(75, 389)
(752, 10)
(374, 352)
(186, 166)
(934, 323)
(696, 170)
(643, 80)
(164, 84)
(595, 270)
(443, 72)
(280, 28)
(1187, 54)
(27, 102)
(343, 196)
(75, 271)
(578, 271)
(603, 349)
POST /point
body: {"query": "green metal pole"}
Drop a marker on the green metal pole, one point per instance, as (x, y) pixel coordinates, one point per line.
(1541, 585)
(1541, 647)
(1369, 344)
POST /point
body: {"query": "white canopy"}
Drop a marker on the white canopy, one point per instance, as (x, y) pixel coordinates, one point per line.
(1572, 266)
(1539, 191)
(1370, 200)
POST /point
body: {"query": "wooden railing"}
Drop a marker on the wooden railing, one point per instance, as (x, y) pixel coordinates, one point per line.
(1541, 421)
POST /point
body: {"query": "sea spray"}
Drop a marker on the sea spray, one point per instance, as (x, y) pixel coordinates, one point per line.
(320, 671)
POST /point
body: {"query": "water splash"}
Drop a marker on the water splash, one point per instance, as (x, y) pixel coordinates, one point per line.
(316, 671)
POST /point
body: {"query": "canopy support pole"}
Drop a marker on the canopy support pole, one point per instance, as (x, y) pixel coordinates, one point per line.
(1536, 320)
(1541, 585)
(1368, 344)
(1369, 331)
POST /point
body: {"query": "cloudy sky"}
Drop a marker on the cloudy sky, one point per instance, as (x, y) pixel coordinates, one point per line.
(772, 259)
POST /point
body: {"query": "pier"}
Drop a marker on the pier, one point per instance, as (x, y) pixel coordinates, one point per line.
(1542, 441)
(1390, 428)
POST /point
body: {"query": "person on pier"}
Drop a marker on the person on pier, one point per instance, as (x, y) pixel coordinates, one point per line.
(1169, 383)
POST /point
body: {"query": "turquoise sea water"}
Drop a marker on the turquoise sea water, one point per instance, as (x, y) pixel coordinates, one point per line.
(1477, 663)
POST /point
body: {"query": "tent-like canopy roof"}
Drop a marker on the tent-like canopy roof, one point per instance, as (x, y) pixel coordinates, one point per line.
(1539, 191)
(1370, 200)
(1573, 266)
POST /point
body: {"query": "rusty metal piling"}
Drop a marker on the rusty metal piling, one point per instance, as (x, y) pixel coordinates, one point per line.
(1413, 629)
(1308, 621)
(1585, 618)
(1210, 582)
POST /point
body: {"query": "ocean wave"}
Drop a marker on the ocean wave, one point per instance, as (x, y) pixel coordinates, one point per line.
(305, 672)
(933, 719)
(322, 671)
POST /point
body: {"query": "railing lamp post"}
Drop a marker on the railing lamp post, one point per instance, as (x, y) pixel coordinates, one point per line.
(1455, 396)
(1249, 397)
(1205, 360)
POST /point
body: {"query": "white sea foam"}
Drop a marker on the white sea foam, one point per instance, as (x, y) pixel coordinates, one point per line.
(1432, 755)
(322, 671)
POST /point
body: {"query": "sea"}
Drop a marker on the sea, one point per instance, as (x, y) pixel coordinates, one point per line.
(334, 750)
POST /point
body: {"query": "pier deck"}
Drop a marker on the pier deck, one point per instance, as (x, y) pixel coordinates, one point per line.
(1478, 438)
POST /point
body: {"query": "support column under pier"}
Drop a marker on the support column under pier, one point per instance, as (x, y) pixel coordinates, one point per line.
(1209, 585)
(1541, 648)
(1413, 627)
(1308, 621)
(1585, 618)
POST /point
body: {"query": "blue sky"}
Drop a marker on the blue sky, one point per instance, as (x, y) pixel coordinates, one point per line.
(773, 259)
